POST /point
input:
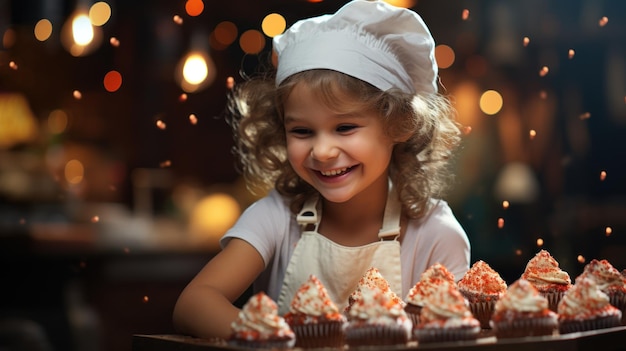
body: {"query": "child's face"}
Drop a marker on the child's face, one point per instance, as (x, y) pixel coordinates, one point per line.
(339, 155)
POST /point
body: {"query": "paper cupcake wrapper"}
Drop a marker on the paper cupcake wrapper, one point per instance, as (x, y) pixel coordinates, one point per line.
(483, 312)
(618, 299)
(429, 335)
(318, 335)
(521, 327)
(376, 335)
(574, 326)
(413, 312)
(553, 299)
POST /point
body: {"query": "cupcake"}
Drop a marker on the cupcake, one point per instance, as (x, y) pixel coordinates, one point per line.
(585, 307)
(371, 278)
(375, 319)
(445, 316)
(543, 272)
(482, 287)
(609, 280)
(258, 325)
(414, 299)
(314, 317)
(522, 311)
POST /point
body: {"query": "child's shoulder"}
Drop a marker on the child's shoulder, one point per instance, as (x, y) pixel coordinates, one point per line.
(272, 201)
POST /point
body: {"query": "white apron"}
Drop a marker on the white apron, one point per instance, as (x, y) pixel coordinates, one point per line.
(340, 267)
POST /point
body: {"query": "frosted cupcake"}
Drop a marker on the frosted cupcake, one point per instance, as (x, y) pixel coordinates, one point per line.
(609, 280)
(543, 272)
(259, 326)
(482, 286)
(375, 319)
(431, 277)
(314, 317)
(445, 317)
(585, 307)
(372, 278)
(522, 311)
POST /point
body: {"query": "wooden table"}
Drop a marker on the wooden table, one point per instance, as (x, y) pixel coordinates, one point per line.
(612, 339)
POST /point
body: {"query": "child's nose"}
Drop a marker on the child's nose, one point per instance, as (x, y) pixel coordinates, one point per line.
(323, 151)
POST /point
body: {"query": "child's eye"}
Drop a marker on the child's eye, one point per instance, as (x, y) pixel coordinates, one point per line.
(300, 131)
(346, 128)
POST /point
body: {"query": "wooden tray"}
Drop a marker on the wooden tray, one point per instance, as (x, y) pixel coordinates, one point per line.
(607, 339)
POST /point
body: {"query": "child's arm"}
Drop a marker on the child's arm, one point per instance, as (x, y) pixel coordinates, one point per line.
(204, 308)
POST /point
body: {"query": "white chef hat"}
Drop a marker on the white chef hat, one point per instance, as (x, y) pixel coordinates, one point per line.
(386, 46)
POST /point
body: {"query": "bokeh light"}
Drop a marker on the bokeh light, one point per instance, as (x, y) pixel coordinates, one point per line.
(112, 81)
(491, 102)
(212, 216)
(43, 29)
(99, 13)
(194, 7)
(74, 172)
(225, 33)
(57, 121)
(402, 3)
(444, 56)
(273, 25)
(252, 41)
(82, 30)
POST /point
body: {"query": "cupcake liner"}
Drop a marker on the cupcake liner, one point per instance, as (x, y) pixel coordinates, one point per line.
(554, 297)
(618, 300)
(376, 335)
(483, 312)
(525, 326)
(413, 312)
(263, 344)
(318, 335)
(428, 335)
(573, 326)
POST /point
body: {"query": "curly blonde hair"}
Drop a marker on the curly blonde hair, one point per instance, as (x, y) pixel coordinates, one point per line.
(418, 166)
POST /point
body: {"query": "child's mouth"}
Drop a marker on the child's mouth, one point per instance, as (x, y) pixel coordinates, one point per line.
(336, 172)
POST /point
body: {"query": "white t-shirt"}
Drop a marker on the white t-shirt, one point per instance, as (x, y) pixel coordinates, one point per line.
(270, 227)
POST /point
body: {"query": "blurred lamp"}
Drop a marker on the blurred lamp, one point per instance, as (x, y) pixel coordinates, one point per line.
(212, 216)
(17, 122)
(78, 35)
(196, 70)
(517, 183)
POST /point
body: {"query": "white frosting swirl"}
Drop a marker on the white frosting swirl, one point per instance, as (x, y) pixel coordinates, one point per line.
(258, 319)
(377, 307)
(312, 299)
(583, 300)
(543, 271)
(521, 296)
(604, 274)
(445, 303)
(437, 271)
(482, 279)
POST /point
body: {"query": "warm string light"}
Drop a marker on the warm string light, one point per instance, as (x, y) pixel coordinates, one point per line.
(161, 125)
(608, 231)
(465, 15)
(602, 176)
(500, 223)
(95, 219)
(584, 116)
(165, 164)
(544, 71)
(193, 119)
(525, 41)
(571, 53)
(603, 21)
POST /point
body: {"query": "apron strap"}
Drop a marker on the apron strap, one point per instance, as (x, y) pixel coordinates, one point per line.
(391, 218)
(308, 214)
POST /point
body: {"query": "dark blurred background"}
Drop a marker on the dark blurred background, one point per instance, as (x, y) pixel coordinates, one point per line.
(113, 196)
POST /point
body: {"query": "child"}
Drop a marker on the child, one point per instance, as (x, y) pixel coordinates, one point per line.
(353, 139)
